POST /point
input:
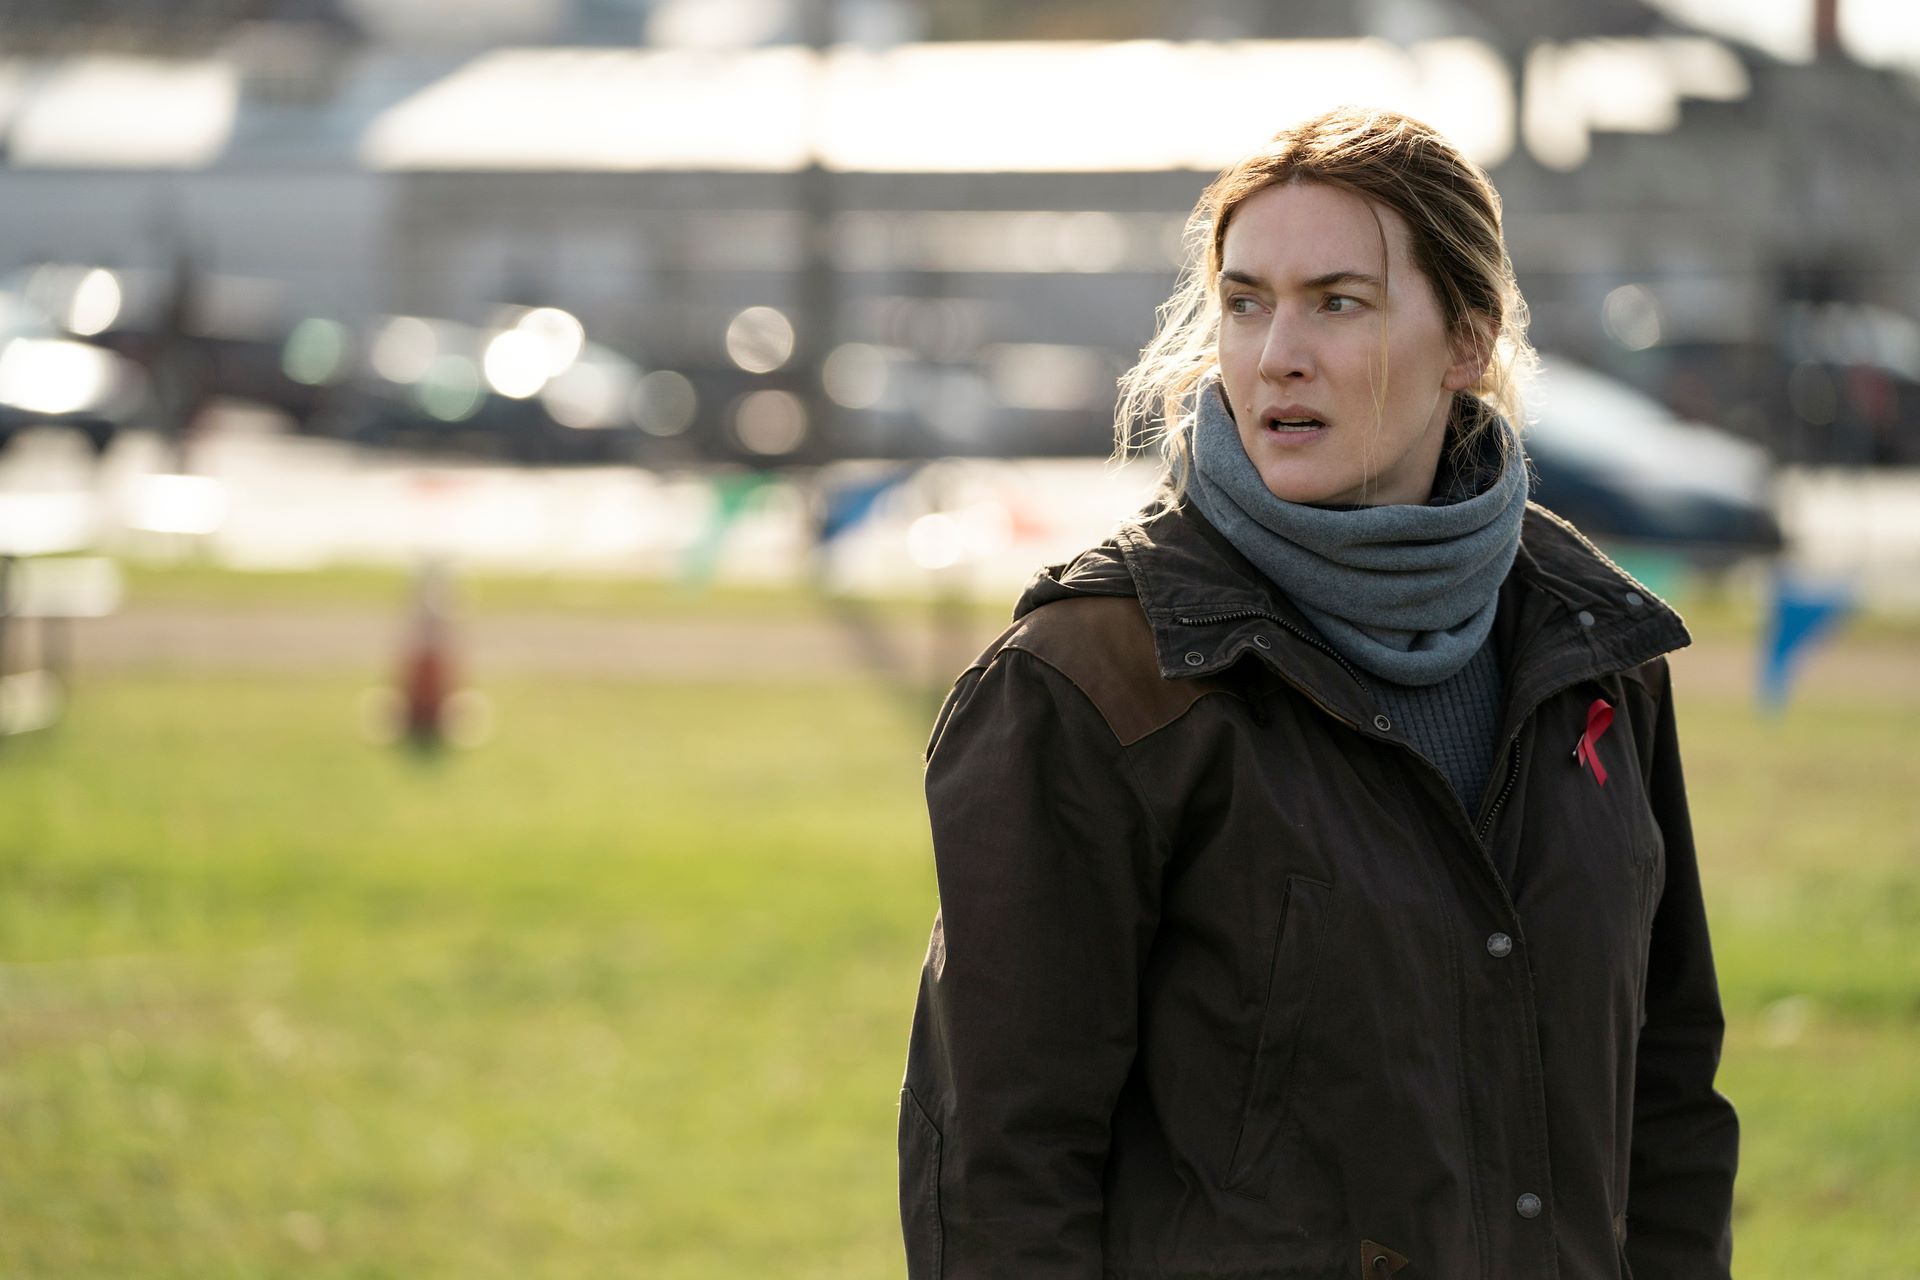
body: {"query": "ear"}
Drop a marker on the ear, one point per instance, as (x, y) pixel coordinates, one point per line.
(1472, 351)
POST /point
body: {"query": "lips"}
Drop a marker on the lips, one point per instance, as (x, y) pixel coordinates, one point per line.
(1290, 419)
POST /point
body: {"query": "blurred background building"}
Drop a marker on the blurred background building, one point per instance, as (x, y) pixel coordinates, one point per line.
(680, 233)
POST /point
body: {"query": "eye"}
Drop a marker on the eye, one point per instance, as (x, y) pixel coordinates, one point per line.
(1335, 299)
(1239, 305)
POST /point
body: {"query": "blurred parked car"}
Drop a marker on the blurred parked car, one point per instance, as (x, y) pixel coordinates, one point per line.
(527, 387)
(1624, 468)
(1838, 385)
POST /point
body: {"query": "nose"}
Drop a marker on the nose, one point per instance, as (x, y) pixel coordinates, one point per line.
(1286, 353)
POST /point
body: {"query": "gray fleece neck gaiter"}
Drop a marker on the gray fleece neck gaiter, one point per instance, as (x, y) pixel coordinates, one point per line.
(1404, 592)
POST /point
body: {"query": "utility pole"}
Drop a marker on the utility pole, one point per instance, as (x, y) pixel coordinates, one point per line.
(1826, 28)
(816, 300)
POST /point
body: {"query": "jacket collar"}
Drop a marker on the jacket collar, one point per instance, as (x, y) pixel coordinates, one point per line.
(1567, 613)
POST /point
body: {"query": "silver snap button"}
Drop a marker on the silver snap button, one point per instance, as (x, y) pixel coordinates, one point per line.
(1584, 618)
(1382, 723)
(1499, 946)
(1195, 657)
(1263, 642)
(1634, 599)
(1528, 1205)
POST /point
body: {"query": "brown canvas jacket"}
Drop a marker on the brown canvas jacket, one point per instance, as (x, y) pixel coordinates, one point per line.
(1227, 983)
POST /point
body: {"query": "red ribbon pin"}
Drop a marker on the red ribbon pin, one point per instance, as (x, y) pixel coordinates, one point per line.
(1587, 751)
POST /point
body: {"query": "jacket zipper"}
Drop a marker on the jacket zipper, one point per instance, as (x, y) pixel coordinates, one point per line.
(1513, 776)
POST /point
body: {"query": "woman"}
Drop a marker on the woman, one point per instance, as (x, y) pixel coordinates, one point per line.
(1318, 895)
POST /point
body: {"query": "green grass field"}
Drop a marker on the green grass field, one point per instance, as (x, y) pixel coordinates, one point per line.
(626, 990)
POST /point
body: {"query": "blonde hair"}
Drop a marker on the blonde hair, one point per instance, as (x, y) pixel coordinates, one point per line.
(1452, 214)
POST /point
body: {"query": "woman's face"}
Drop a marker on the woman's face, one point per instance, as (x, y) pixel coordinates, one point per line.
(1304, 299)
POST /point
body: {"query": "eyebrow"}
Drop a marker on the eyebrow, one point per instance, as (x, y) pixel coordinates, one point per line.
(1318, 282)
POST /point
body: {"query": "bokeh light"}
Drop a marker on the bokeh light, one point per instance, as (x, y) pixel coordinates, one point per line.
(96, 303)
(760, 339)
(587, 395)
(936, 541)
(450, 388)
(559, 333)
(855, 375)
(770, 423)
(316, 351)
(516, 363)
(54, 376)
(664, 403)
(1631, 317)
(404, 349)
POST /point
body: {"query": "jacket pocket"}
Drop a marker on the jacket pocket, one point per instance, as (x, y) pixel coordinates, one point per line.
(1290, 982)
(919, 1189)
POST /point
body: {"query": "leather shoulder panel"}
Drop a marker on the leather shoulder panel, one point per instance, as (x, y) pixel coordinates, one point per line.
(1104, 645)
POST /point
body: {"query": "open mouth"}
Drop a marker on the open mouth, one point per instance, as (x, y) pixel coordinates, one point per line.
(1290, 426)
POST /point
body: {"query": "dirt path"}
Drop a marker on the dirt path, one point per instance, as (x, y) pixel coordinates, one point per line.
(775, 649)
(785, 648)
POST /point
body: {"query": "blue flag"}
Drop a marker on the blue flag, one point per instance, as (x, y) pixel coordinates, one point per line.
(1800, 613)
(849, 504)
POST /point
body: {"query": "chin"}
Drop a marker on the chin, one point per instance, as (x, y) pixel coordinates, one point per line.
(1305, 491)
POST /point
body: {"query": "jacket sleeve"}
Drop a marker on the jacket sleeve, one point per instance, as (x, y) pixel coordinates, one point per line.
(1685, 1135)
(1024, 1033)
